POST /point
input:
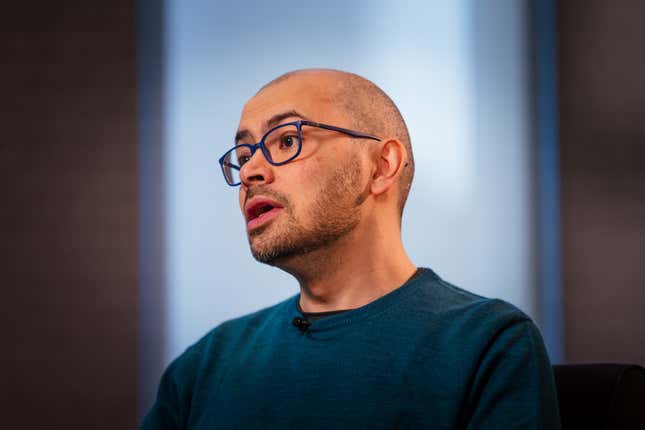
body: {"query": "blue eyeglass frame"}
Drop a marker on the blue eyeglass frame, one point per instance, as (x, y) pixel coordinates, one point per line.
(298, 124)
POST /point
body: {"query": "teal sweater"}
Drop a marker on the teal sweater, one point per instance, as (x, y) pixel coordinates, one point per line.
(426, 355)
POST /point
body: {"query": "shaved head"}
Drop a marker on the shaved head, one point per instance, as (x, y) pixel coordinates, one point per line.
(369, 109)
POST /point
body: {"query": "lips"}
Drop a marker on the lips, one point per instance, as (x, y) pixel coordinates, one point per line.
(260, 210)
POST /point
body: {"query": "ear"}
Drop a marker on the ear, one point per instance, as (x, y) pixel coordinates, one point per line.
(390, 160)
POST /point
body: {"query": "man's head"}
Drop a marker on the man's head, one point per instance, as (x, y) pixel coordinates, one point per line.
(340, 187)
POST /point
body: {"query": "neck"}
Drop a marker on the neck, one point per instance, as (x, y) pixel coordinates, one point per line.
(353, 271)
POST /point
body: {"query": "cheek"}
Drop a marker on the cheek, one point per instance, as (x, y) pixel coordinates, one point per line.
(308, 179)
(300, 183)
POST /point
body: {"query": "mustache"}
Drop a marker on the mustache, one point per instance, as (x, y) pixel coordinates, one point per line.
(260, 190)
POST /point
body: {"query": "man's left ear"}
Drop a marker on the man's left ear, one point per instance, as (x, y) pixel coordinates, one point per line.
(390, 160)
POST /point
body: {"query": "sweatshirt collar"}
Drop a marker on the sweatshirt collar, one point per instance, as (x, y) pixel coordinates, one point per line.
(340, 319)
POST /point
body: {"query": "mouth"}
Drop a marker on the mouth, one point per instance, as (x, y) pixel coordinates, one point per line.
(259, 211)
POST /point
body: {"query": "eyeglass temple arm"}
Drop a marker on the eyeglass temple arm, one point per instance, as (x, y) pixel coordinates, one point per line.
(340, 129)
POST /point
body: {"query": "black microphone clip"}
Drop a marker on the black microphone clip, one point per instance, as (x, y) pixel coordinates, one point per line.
(302, 323)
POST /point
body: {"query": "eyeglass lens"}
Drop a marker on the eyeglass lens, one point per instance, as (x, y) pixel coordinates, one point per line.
(282, 144)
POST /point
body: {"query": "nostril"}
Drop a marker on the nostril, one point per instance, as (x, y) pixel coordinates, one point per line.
(256, 178)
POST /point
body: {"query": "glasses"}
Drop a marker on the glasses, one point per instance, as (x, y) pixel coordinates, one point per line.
(279, 145)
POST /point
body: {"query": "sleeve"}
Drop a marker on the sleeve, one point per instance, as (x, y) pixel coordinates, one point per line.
(164, 412)
(173, 400)
(513, 387)
(162, 415)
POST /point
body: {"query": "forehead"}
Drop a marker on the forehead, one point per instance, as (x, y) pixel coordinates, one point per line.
(310, 95)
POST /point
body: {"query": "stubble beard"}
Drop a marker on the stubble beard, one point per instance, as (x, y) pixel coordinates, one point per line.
(335, 212)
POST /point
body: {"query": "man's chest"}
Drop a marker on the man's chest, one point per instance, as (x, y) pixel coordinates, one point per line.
(338, 383)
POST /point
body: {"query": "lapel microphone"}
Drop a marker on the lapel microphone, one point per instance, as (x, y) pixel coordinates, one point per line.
(302, 323)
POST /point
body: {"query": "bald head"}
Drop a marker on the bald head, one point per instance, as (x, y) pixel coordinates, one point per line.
(369, 109)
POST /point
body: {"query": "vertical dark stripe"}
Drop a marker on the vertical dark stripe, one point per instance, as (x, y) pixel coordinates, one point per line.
(150, 77)
(548, 177)
(602, 166)
(68, 218)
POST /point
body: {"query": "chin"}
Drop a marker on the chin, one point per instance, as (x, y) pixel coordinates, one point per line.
(273, 252)
(283, 244)
(279, 249)
(265, 245)
(268, 256)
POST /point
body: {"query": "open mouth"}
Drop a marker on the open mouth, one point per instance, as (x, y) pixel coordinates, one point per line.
(257, 211)
(260, 211)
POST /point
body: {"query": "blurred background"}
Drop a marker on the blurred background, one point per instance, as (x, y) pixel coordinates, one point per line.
(122, 245)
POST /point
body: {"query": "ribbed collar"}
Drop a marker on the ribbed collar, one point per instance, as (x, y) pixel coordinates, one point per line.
(367, 311)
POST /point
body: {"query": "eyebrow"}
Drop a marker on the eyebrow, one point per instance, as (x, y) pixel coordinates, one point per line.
(272, 122)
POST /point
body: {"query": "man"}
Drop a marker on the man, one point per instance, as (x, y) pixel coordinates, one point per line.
(324, 165)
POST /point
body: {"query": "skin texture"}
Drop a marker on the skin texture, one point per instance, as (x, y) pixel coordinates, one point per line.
(339, 231)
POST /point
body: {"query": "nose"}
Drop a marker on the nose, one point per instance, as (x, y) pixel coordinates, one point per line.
(256, 170)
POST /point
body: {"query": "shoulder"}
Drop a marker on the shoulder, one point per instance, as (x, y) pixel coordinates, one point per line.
(202, 359)
(475, 332)
(229, 333)
(454, 314)
(446, 300)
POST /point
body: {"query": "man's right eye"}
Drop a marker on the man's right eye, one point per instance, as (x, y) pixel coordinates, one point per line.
(243, 159)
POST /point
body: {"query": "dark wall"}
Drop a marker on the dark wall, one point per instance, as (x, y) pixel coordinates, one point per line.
(602, 137)
(68, 222)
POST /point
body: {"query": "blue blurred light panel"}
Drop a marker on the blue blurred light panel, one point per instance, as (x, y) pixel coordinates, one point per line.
(456, 70)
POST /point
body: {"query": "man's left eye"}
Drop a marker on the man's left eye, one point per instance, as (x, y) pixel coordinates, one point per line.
(288, 141)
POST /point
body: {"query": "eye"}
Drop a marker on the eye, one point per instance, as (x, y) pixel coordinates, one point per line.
(243, 159)
(288, 141)
(242, 155)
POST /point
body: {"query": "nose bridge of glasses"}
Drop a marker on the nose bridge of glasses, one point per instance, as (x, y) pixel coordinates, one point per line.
(258, 148)
(254, 167)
